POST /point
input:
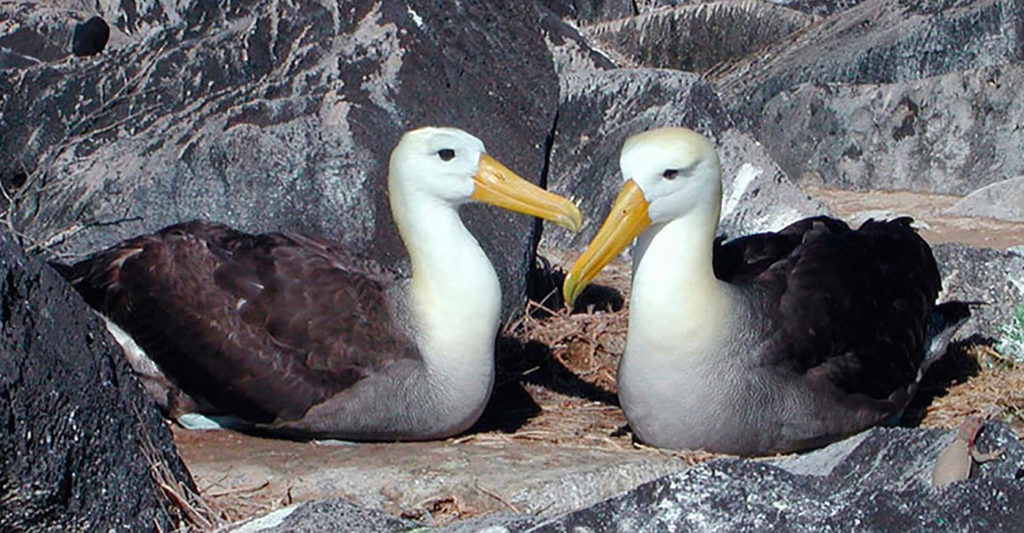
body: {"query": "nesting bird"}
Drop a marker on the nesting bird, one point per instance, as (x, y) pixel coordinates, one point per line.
(768, 343)
(299, 336)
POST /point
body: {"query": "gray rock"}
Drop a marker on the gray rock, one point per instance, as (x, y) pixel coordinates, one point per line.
(325, 516)
(877, 41)
(1003, 200)
(591, 10)
(993, 278)
(698, 37)
(404, 478)
(822, 8)
(29, 35)
(569, 49)
(952, 133)
(274, 116)
(881, 482)
(80, 435)
(90, 37)
(493, 523)
(757, 195)
(597, 112)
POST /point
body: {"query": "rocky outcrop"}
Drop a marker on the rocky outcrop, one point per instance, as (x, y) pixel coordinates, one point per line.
(992, 279)
(876, 481)
(81, 443)
(879, 480)
(272, 116)
(1003, 200)
(591, 10)
(697, 37)
(952, 133)
(877, 41)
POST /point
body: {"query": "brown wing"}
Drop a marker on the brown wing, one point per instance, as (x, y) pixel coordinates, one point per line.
(262, 326)
(851, 306)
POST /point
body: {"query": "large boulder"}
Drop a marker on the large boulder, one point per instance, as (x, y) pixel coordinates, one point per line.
(591, 10)
(1003, 200)
(992, 279)
(877, 41)
(700, 36)
(570, 50)
(82, 444)
(272, 116)
(876, 481)
(952, 133)
(822, 8)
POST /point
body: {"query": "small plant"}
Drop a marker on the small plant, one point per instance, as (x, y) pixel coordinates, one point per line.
(1011, 340)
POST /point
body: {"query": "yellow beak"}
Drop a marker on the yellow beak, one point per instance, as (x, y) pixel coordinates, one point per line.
(626, 219)
(495, 184)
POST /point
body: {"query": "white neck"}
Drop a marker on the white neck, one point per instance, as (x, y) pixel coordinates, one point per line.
(677, 305)
(455, 294)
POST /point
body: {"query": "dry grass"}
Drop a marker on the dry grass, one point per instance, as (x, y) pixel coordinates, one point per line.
(995, 391)
(194, 511)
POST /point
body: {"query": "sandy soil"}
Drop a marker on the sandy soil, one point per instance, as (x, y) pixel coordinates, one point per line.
(929, 213)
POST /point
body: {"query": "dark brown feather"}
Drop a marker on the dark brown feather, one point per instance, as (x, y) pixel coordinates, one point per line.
(262, 326)
(853, 306)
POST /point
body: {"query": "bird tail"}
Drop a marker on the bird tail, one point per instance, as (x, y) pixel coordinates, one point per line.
(946, 319)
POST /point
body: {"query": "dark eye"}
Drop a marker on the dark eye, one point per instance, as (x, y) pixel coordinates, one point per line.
(670, 174)
(446, 154)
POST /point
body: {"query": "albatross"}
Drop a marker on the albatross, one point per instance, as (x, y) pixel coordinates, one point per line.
(299, 336)
(773, 342)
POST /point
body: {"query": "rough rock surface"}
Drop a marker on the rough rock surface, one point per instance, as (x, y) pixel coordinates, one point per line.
(822, 8)
(569, 49)
(591, 10)
(878, 41)
(273, 116)
(79, 433)
(697, 37)
(757, 195)
(1003, 200)
(951, 134)
(993, 278)
(404, 478)
(879, 480)
(327, 516)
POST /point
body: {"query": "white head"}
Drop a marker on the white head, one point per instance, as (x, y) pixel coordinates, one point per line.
(669, 173)
(676, 169)
(452, 166)
(437, 162)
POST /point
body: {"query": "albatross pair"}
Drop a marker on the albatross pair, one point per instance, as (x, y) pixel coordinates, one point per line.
(769, 343)
(299, 336)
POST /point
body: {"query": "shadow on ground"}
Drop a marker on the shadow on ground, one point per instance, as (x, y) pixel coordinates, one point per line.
(956, 366)
(520, 362)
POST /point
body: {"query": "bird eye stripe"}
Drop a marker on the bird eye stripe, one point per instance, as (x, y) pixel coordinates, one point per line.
(673, 173)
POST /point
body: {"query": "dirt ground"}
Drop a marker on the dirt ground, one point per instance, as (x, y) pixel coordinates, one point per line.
(556, 392)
